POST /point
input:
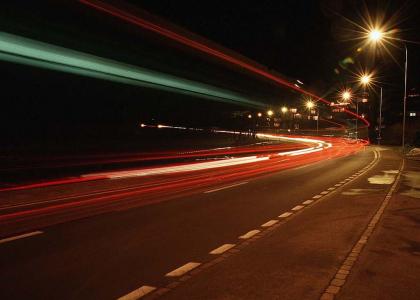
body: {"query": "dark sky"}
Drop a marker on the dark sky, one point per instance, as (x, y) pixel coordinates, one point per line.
(285, 35)
(300, 39)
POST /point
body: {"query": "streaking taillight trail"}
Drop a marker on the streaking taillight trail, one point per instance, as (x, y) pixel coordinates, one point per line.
(151, 185)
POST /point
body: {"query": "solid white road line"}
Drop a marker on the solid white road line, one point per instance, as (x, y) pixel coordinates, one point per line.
(225, 187)
(21, 236)
(285, 215)
(298, 207)
(308, 202)
(249, 234)
(222, 249)
(269, 223)
(137, 294)
(182, 270)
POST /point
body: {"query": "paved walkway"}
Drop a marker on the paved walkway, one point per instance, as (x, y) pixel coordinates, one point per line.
(389, 266)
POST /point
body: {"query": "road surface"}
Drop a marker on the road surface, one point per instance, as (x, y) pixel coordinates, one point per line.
(280, 236)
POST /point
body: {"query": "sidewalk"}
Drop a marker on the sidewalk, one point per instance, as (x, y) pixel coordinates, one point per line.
(389, 266)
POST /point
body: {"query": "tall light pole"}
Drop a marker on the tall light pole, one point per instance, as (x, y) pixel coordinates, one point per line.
(376, 35)
(365, 80)
(405, 97)
(380, 119)
(310, 105)
(346, 96)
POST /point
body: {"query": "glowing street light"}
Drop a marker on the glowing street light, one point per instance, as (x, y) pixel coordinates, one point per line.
(365, 79)
(270, 113)
(310, 104)
(249, 116)
(346, 95)
(284, 109)
(375, 35)
(259, 114)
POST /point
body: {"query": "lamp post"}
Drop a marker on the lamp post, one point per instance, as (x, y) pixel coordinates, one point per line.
(380, 119)
(376, 35)
(405, 97)
(310, 105)
(365, 80)
(346, 96)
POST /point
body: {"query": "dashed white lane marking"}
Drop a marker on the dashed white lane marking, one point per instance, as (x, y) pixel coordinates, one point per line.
(269, 223)
(317, 197)
(137, 294)
(308, 202)
(324, 192)
(285, 215)
(331, 189)
(21, 236)
(182, 270)
(338, 184)
(249, 234)
(298, 207)
(225, 187)
(222, 249)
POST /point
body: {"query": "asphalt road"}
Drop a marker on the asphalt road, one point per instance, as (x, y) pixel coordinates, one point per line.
(110, 255)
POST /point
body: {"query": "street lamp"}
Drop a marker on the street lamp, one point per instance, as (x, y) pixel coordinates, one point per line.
(284, 109)
(365, 79)
(310, 105)
(346, 95)
(259, 114)
(249, 116)
(376, 35)
(270, 113)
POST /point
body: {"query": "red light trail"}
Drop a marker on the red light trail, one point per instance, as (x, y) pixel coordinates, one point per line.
(154, 185)
(128, 17)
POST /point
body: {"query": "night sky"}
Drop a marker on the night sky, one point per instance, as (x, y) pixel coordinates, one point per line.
(300, 39)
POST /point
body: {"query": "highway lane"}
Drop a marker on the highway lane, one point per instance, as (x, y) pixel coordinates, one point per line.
(109, 255)
(24, 209)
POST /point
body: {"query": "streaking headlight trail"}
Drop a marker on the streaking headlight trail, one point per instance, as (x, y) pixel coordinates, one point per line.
(26, 51)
